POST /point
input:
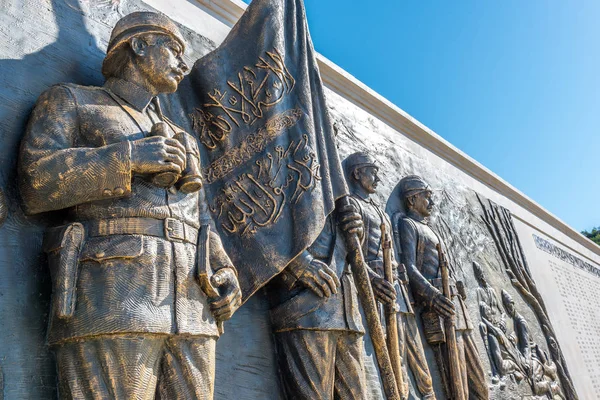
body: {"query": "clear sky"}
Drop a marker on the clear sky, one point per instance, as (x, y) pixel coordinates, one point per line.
(514, 84)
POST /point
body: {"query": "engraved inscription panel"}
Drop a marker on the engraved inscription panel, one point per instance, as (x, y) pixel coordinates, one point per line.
(570, 285)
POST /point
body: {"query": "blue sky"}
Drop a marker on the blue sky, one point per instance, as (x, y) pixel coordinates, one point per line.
(514, 84)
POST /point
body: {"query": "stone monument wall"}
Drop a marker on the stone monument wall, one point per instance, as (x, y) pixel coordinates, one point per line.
(43, 42)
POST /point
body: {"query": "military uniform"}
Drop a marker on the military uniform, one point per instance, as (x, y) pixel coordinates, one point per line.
(318, 339)
(520, 327)
(420, 256)
(411, 347)
(138, 315)
(489, 308)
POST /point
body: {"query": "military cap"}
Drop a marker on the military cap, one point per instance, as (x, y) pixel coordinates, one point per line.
(411, 185)
(358, 160)
(142, 22)
(506, 298)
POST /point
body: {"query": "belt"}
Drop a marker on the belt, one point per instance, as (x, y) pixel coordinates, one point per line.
(168, 228)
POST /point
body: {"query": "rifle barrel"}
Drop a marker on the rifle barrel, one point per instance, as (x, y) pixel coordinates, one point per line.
(391, 314)
(450, 328)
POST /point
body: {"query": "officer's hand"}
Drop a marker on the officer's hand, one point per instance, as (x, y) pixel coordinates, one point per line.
(319, 278)
(350, 220)
(443, 306)
(157, 154)
(383, 290)
(230, 299)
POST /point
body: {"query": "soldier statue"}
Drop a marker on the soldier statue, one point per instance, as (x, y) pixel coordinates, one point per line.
(520, 326)
(133, 316)
(490, 311)
(317, 325)
(362, 175)
(421, 254)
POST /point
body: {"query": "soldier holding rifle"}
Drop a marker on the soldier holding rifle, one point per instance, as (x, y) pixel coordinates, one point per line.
(447, 326)
(388, 283)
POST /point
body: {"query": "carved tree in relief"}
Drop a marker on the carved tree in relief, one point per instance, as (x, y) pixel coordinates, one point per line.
(500, 225)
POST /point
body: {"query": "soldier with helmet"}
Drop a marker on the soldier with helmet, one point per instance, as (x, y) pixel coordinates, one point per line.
(361, 171)
(419, 253)
(131, 315)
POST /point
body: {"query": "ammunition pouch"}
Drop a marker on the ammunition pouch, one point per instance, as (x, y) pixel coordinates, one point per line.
(433, 327)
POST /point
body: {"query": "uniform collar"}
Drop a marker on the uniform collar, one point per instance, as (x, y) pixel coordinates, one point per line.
(133, 94)
(418, 217)
(359, 197)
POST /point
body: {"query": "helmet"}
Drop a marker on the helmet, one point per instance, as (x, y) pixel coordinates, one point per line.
(358, 160)
(506, 298)
(142, 22)
(138, 23)
(411, 185)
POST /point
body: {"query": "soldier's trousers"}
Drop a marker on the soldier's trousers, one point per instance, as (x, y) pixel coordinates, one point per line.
(413, 356)
(137, 366)
(321, 365)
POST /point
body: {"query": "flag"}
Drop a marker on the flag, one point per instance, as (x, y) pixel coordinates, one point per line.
(269, 160)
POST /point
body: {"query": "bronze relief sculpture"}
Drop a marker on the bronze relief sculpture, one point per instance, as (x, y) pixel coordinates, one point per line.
(446, 322)
(141, 280)
(316, 319)
(362, 175)
(130, 317)
(513, 353)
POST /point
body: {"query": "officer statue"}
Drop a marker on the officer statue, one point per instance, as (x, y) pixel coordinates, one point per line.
(133, 315)
(439, 295)
(362, 176)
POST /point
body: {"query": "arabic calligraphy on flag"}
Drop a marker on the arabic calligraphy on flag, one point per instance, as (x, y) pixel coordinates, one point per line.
(270, 165)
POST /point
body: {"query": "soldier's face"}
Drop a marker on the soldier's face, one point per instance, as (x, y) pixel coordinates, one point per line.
(161, 63)
(423, 203)
(368, 179)
(510, 307)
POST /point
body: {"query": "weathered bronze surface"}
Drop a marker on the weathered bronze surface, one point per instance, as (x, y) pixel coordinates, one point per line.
(403, 337)
(441, 298)
(510, 346)
(146, 218)
(500, 225)
(129, 318)
(273, 176)
(270, 163)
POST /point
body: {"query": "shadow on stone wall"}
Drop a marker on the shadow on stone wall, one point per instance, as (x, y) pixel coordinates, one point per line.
(28, 368)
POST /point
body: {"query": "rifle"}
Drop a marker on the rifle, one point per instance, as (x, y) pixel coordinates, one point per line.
(456, 386)
(367, 300)
(391, 311)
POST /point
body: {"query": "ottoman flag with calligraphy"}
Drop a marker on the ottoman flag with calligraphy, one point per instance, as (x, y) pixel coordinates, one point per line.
(270, 165)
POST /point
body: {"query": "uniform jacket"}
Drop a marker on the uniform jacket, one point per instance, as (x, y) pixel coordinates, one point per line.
(422, 265)
(296, 307)
(521, 332)
(372, 217)
(75, 157)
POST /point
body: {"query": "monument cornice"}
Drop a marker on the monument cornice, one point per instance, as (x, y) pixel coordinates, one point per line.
(347, 86)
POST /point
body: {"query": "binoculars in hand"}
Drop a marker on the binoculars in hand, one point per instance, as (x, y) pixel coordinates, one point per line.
(190, 179)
